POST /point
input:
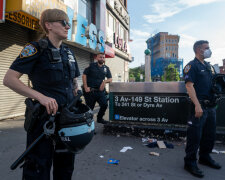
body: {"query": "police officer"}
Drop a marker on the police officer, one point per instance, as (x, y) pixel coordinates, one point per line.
(202, 121)
(94, 85)
(53, 70)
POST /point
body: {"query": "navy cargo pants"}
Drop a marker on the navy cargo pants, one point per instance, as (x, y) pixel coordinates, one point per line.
(97, 96)
(201, 134)
(38, 163)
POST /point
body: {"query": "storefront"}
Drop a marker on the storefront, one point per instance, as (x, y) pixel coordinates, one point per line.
(13, 38)
(21, 25)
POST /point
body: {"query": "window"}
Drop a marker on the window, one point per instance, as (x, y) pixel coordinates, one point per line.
(114, 25)
(125, 35)
(110, 22)
(85, 9)
(121, 32)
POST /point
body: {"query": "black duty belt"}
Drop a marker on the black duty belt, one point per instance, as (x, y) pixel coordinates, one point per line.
(207, 103)
(94, 89)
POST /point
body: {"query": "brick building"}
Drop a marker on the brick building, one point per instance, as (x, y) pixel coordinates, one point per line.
(222, 68)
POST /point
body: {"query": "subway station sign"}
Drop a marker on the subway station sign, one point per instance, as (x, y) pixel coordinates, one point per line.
(150, 108)
(23, 19)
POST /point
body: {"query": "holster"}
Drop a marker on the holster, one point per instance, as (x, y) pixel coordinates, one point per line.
(32, 114)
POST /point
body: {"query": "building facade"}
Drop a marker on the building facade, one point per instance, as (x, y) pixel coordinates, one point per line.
(164, 50)
(222, 68)
(19, 24)
(117, 38)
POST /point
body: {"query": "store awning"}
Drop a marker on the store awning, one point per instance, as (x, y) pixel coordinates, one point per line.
(109, 52)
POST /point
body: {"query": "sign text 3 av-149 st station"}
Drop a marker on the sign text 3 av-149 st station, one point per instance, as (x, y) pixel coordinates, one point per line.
(159, 108)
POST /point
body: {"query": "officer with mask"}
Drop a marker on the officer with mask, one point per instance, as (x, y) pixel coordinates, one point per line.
(201, 129)
(52, 69)
(94, 85)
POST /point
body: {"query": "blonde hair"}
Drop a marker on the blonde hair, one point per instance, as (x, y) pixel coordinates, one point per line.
(51, 15)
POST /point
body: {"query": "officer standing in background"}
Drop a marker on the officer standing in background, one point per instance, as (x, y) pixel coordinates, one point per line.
(94, 85)
(201, 129)
(53, 70)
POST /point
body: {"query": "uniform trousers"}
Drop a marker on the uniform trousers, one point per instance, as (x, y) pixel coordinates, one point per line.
(97, 96)
(201, 134)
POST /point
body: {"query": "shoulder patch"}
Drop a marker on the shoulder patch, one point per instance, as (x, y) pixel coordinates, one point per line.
(187, 68)
(28, 50)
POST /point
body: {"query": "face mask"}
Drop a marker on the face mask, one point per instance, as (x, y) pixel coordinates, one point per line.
(207, 53)
(100, 62)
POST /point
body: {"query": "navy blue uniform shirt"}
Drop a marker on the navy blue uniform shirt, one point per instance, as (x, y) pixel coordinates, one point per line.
(51, 79)
(201, 75)
(96, 74)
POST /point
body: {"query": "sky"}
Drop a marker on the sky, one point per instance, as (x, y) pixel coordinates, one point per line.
(192, 20)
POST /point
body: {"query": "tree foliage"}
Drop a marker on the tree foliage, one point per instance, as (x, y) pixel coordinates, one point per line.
(135, 73)
(171, 73)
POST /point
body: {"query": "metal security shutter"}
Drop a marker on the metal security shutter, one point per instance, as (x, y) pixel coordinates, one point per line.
(83, 59)
(12, 39)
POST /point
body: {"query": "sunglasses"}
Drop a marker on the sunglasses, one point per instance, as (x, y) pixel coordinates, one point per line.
(63, 22)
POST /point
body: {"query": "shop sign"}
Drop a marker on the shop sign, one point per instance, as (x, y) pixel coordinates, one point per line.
(34, 7)
(2, 10)
(119, 43)
(23, 19)
(109, 52)
(88, 36)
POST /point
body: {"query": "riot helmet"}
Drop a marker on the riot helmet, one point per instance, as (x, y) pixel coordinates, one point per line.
(76, 125)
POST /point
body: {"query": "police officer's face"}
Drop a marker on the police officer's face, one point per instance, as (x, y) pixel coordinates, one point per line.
(100, 58)
(58, 28)
(202, 49)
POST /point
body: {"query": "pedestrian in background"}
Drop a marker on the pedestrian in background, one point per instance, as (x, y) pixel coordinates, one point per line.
(94, 81)
(52, 69)
(201, 129)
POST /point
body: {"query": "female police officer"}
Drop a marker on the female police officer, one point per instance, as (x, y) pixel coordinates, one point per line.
(52, 70)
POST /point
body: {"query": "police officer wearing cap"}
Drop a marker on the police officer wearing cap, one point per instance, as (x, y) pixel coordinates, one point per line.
(201, 129)
(52, 69)
(94, 81)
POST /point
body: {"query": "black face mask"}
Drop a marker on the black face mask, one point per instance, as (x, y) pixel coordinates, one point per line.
(100, 62)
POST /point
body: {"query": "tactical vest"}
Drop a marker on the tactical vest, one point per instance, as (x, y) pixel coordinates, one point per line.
(55, 57)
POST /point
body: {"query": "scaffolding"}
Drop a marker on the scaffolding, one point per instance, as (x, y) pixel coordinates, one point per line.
(158, 63)
(158, 66)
